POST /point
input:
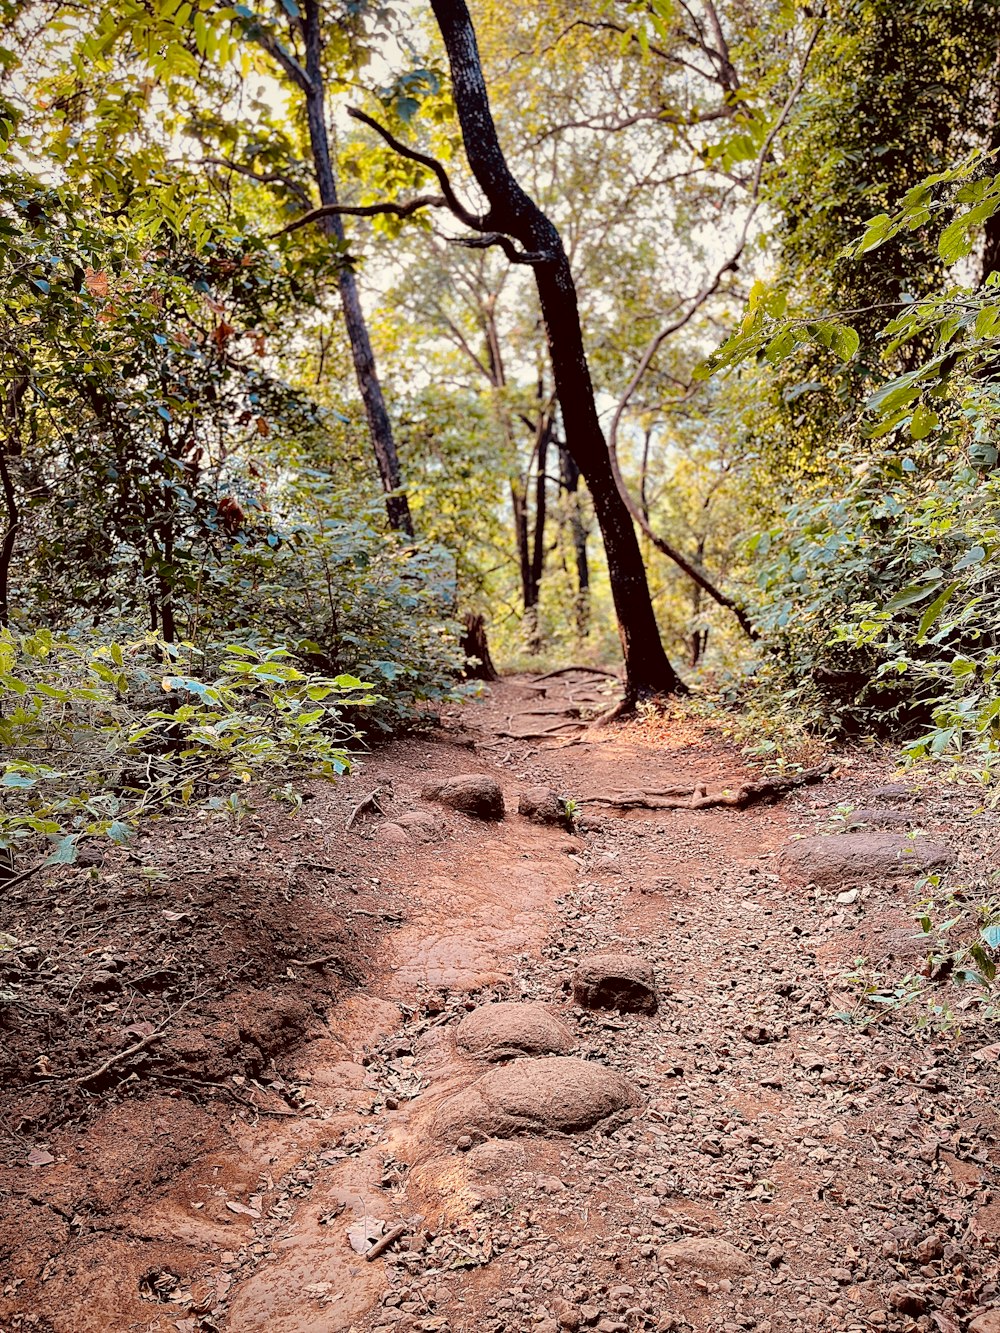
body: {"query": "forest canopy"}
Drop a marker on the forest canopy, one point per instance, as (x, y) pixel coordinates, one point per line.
(336, 336)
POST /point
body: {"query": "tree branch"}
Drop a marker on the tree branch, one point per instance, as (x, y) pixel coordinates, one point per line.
(268, 178)
(489, 238)
(363, 211)
(451, 199)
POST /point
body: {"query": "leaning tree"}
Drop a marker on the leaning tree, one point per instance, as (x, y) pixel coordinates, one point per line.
(515, 223)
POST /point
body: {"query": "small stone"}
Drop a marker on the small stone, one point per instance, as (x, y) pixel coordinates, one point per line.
(471, 793)
(420, 825)
(706, 1254)
(929, 1249)
(615, 981)
(907, 1300)
(567, 1315)
(392, 835)
(542, 806)
(878, 817)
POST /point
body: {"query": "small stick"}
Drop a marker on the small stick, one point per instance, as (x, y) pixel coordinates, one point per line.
(6, 884)
(113, 1060)
(383, 1243)
(366, 802)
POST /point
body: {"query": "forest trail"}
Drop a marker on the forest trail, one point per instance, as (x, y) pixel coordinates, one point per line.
(747, 1159)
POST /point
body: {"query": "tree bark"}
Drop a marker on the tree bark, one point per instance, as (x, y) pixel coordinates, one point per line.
(476, 647)
(513, 213)
(9, 538)
(379, 426)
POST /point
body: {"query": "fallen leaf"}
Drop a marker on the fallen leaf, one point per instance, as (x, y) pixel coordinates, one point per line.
(39, 1157)
(143, 1029)
(851, 896)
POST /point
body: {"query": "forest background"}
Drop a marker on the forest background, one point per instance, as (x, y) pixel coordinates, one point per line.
(293, 390)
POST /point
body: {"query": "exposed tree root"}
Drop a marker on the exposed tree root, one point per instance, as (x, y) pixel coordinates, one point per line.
(699, 797)
(539, 735)
(568, 670)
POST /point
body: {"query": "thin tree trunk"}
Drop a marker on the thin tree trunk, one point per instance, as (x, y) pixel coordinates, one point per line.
(538, 536)
(519, 503)
(9, 538)
(512, 212)
(380, 428)
(569, 477)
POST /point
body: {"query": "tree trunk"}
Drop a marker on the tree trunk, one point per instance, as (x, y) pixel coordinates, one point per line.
(519, 504)
(9, 538)
(475, 646)
(513, 213)
(379, 426)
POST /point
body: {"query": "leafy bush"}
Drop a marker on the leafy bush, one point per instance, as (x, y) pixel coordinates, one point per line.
(97, 735)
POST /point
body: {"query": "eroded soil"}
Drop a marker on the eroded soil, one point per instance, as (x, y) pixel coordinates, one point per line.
(219, 1075)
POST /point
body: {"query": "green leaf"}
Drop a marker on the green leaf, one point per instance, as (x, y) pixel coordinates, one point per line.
(923, 422)
(991, 936)
(916, 592)
(17, 780)
(65, 852)
(936, 607)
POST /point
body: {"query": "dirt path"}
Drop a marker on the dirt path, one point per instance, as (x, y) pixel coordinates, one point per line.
(742, 1159)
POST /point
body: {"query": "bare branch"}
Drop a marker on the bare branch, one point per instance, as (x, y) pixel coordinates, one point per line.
(451, 199)
(262, 178)
(661, 117)
(505, 243)
(364, 211)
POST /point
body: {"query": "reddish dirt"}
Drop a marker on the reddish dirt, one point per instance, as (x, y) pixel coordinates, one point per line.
(292, 990)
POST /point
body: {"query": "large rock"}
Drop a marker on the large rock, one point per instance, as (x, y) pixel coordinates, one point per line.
(556, 1094)
(542, 806)
(706, 1254)
(615, 981)
(472, 793)
(503, 1030)
(880, 816)
(988, 1322)
(853, 858)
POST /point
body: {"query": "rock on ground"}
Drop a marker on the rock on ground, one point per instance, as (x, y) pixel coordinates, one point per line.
(553, 1094)
(508, 1028)
(615, 981)
(471, 793)
(706, 1254)
(986, 1323)
(542, 806)
(846, 858)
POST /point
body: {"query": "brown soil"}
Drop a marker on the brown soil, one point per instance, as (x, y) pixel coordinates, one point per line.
(226, 1056)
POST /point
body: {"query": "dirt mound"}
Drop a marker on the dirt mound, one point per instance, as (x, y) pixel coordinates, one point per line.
(506, 1029)
(556, 1094)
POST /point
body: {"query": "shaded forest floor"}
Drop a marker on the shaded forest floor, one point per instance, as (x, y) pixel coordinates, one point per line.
(227, 1056)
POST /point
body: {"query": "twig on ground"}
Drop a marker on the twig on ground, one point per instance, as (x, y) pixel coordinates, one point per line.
(117, 1058)
(383, 1242)
(369, 802)
(6, 884)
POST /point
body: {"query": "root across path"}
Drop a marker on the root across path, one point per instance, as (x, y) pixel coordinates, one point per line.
(384, 1066)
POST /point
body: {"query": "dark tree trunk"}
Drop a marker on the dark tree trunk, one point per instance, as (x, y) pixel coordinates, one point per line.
(991, 233)
(9, 538)
(513, 213)
(519, 503)
(379, 426)
(475, 646)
